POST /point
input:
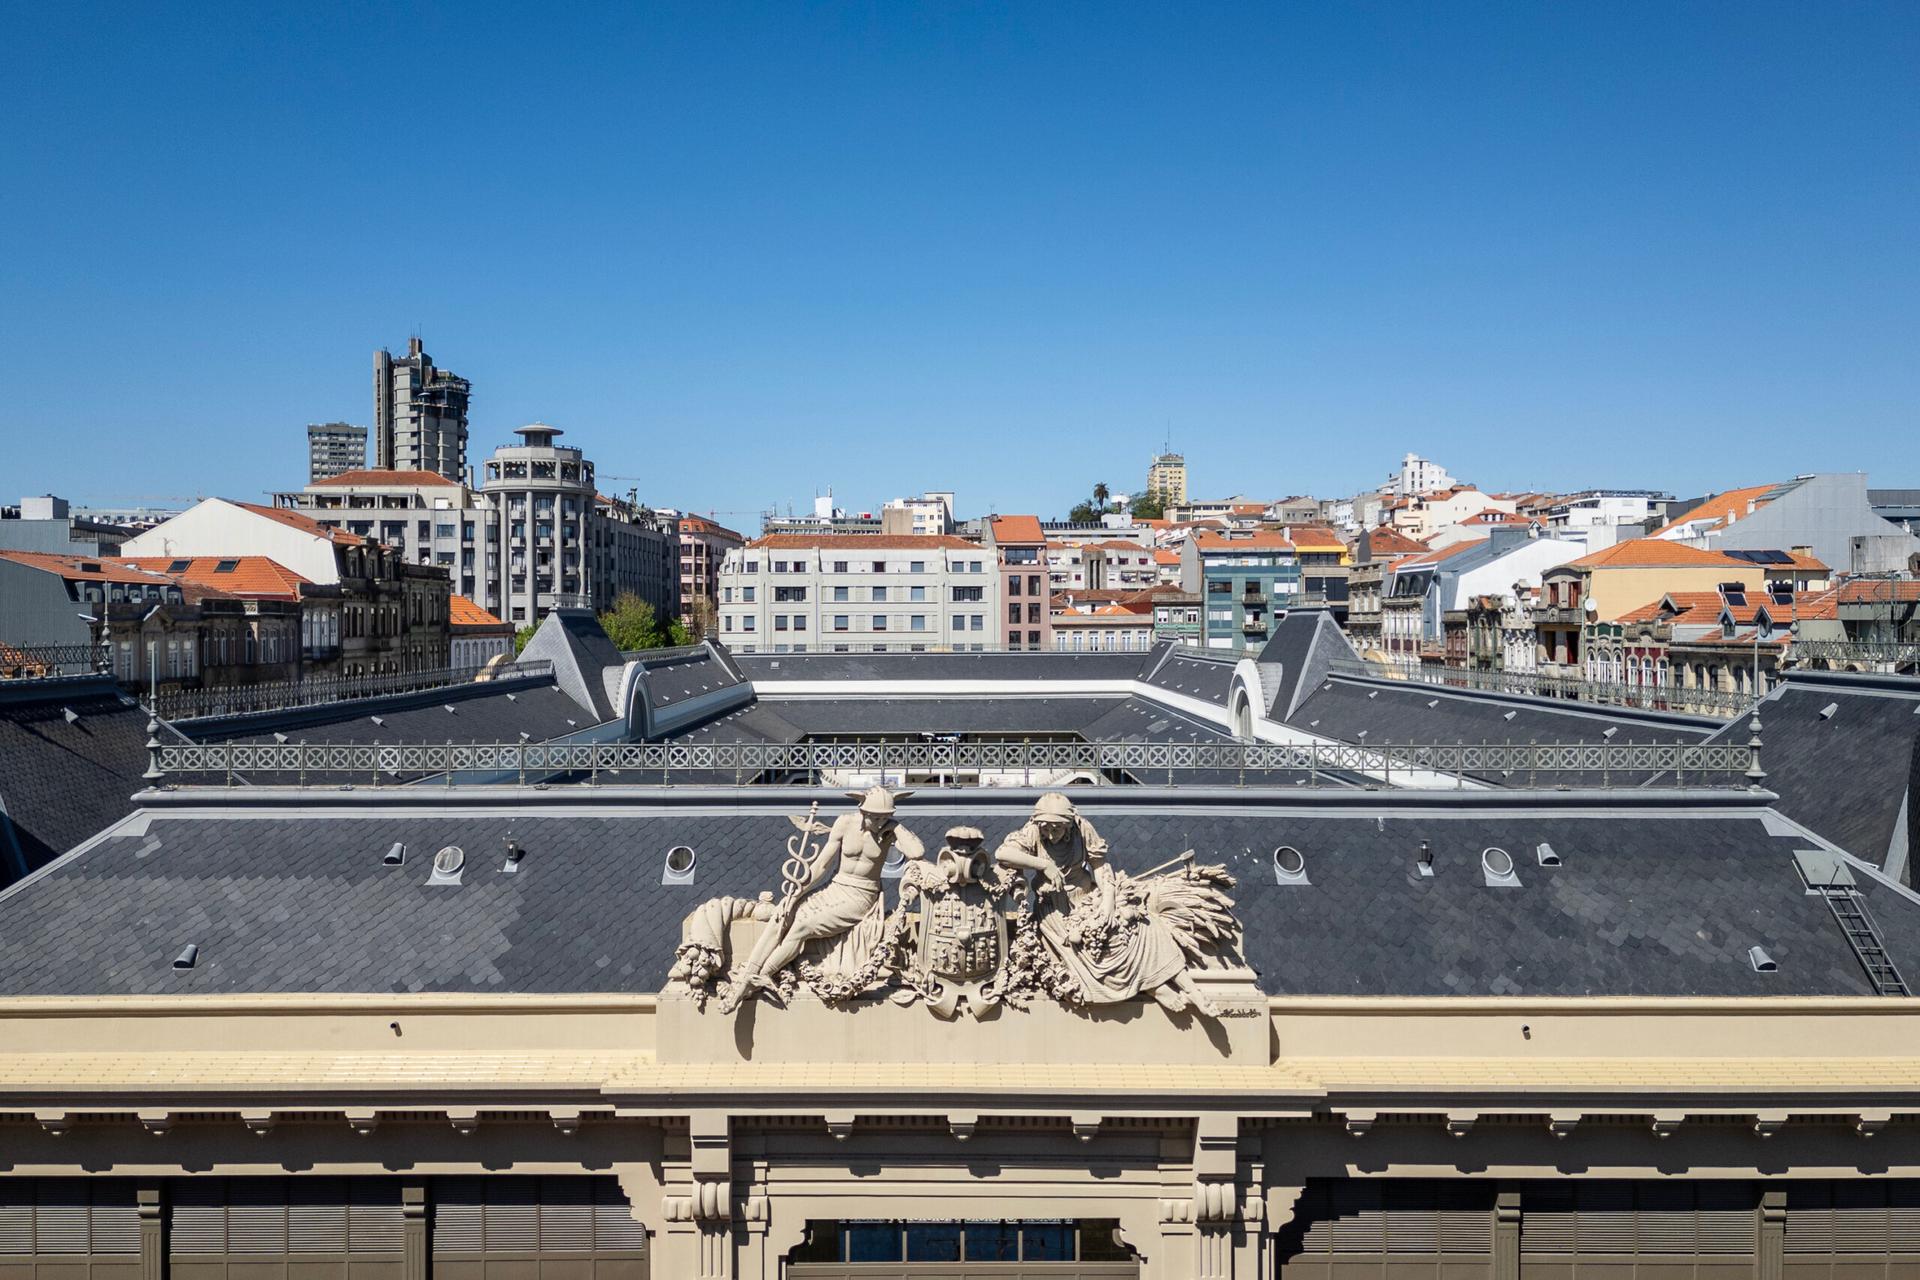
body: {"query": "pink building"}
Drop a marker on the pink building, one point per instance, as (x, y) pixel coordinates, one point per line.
(1020, 545)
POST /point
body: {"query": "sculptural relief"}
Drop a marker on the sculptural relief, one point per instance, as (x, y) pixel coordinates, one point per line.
(1046, 915)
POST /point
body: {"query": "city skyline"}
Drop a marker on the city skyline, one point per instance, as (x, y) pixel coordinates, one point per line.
(1647, 247)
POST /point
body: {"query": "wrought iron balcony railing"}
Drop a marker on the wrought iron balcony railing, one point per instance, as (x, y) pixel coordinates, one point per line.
(957, 764)
(281, 695)
(1724, 704)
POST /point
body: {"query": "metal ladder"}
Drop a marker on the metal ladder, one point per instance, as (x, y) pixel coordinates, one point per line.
(1851, 913)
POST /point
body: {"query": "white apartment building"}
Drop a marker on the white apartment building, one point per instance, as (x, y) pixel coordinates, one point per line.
(1101, 566)
(1604, 515)
(858, 593)
(929, 514)
(1417, 476)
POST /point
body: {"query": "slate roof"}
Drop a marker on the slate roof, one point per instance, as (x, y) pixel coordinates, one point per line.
(981, 717)
(1394, 711)
(482, 711)
(1646, 902)
(1304, 642)
(675, 680)
(940, 666)
(1208, 679)
(62, 782)
(1843, 777)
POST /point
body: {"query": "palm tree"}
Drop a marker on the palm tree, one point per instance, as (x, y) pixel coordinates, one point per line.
(1100, 495)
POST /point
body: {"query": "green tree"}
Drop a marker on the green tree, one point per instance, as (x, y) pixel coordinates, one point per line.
(1148, 506)
(631, 624)
(520, 639)
(1083, 513)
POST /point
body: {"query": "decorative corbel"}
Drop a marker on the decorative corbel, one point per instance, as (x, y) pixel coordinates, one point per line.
(1359, 1122)
(1768, 1123)
(1460, 1123)
(463, 1119)
(362, 1120)
(1216, 1163)
(709, 1135)
(840, 1124)
(1868, 1123)
(1085, 1126)
(1666, 1122)
(259, 1123)
(155, 1122)
(1562, 1123)
(54, 1122)
(962, 1124)
(567, 1119)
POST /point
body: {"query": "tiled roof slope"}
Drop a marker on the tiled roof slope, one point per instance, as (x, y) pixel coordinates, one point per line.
(1649, 904)
(62, 781)
(1844, 776)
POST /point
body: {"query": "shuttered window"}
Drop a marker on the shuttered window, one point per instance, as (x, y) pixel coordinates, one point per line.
(71, 1218)
(509, 1217)
(1403, 1226)
(1853, 1225)
(350, 1228)
(1597, 1220)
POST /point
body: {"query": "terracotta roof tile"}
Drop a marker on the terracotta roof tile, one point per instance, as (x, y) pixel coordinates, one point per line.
(1257, 541)
(250, 577)
(86, 568)
(462, 612)
(1718, 507)
(375, 476)
(1017, 529)
(305, 524)
(1642, 553)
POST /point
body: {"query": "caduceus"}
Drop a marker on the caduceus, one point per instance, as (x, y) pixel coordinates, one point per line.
(796, 873)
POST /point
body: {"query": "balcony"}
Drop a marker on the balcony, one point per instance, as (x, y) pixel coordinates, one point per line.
(1255, 624)
(1559, 615)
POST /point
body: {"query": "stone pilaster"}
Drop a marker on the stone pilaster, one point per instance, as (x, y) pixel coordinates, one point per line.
(153, 1232)
(413, 1226)
(1773, 1234)
(1506, 1234)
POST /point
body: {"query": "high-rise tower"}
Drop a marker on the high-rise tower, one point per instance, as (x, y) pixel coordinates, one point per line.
(419, 414)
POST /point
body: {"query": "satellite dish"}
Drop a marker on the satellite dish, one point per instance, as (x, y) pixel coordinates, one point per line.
(1913, 564)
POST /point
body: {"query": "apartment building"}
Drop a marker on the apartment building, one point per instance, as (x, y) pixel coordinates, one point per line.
(419, 414)
(930, 513)
(1244, 579)
(1019, 547)
(1167, 478)
(334, 448)
(859, 593)
(703, 545)
(1110, 565)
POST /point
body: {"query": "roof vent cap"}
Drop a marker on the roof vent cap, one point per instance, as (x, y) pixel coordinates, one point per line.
(1497, 864)
(1289, 865)
(1609, 731)
(70, 715)
(1510, 715)
(447, 865)
(1543, 853)
(189, 955)
(1426, 858)
(1829, 711)
(396, 856)
(1761, 961)
(678, 868)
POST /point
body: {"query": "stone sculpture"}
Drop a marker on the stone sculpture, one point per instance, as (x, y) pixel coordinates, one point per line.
(1046, 915)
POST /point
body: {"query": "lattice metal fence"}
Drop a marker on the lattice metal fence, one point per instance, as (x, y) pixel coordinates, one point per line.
(1725, 704)
(959, 764)
(42, 661)
(1849, 655)
(230, 700)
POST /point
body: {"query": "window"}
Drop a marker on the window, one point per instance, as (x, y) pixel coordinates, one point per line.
(753, 566)
(1033, 584)
(726, 622)
(746, 594)
(1033, 639)
(968, 595)
(779, 622)
(879, 566)
(747, 623)
(840, 593)
(839, 622)
(792, 595)
(1033, 613)
(916, 593)
(839, 566)
(974, 566)
(918, 622)
(1013, 613)
(799, 622)
(979, 621)
(879, 622)
(916, 566)
(880, 595)
(1013, 585)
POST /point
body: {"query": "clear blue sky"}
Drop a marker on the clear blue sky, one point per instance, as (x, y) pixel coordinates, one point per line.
(745, 251)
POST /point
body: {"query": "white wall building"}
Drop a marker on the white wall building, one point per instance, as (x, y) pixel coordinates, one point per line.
(860, 593)
(1603, 516)
(930, 514)
(1416, 476)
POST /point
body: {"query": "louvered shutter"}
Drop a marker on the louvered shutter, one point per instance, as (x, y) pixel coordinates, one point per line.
(61, 1217)
(317, 1215)
(566, 1215)
(615, 1229)
(1358, 1219)
(199, 1210)
(1410, 1219)
(256, 1217)
(16, 1218)
(1549, 1215)
(459, 1212)
(1606, 1217)
(375, 1221)
(1726, 1219)
(512, 1218)
(1663, 1219)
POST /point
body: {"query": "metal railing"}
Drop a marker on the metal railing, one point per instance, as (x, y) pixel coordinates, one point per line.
(43, 661)
(1883, 656)
(960, 764)
(1725, 704)
(665, 653)
(282, 695)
